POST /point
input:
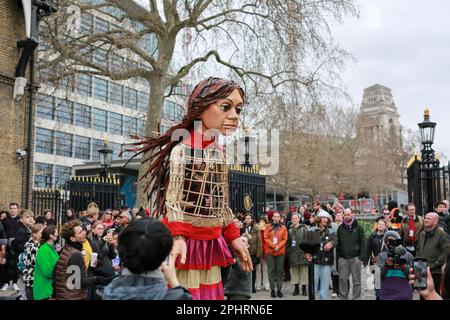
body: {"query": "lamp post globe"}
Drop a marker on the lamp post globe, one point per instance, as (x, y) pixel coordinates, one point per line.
(427, 132)
(105, 157)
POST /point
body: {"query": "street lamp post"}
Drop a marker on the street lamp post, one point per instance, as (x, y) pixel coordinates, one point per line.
(429, 162)
(105, 157)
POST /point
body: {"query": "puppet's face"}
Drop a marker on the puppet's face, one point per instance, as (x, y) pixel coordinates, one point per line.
(223, 115)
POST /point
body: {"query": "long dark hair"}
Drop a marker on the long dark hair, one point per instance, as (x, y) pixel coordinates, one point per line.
(159, 148)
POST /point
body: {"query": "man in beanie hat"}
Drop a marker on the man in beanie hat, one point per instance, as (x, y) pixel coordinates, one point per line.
(394, 262)
(351, 245)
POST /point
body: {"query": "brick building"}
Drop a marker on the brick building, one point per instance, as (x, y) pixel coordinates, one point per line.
(13, 115)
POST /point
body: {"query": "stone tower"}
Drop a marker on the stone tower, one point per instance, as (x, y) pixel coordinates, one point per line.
(378, 118)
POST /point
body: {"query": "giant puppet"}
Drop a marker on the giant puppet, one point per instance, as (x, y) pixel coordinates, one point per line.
(188, 178)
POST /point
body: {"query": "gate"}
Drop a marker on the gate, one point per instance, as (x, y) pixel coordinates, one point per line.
(428, 184)
(105, 192)
(54, 200)
(247, 190)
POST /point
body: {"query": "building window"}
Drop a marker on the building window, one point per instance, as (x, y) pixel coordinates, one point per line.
(44, 108)
(129, 126)
(179, 113)
(82, 147)
(143, 102)
(43, 175)
(115, 93)
(141, 126)
(62, 175)
(64, 111)
(64, 144)
(116, 62)
(100, 89)
(130, 98)
(82, 115)
(117, 149)
(86, 23)
(100, 25)
(101, 57)
(115, 123)
(44, 140)
(169, 110)
(100, 119)
(84, 84)
(96, 144)
(164, 129)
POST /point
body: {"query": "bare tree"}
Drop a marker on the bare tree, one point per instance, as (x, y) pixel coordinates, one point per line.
(266, 43)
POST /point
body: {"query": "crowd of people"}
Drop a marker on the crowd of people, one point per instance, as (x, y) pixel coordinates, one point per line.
(125, 254)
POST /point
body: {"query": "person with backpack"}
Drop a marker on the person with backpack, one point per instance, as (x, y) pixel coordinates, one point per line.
(46, 259)
(21, 237)
(27, 259)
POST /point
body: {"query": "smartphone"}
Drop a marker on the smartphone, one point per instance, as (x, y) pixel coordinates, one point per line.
(420, 266)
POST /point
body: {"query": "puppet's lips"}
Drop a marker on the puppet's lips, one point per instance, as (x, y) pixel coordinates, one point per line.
(232, 126)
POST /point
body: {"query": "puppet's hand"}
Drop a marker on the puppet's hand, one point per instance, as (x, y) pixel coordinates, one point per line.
(179, 249)
(244, 256)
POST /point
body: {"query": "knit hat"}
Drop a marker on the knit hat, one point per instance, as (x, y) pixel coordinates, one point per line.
(324, 214)
(391, 233)
(388, 234)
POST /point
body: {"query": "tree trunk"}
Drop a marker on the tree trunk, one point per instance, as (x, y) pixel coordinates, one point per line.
(157, 91)
(154, 115)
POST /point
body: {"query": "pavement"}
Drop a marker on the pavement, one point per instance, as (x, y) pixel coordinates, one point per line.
(288, 289)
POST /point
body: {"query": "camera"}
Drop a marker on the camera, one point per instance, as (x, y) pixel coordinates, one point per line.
(20, 153)
(396, 253)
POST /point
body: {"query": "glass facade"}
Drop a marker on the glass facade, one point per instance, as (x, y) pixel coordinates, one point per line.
(43, 175)
(64, 111)
(44, 108)
(62, 175)
(82, 147)
(63, 144)
(116, 93)
(130, 98)
(100, 91)
(115, 123)
(82, 115)
(100, 120)
(44, 140)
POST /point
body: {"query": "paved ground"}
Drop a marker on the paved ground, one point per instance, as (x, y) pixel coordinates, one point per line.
(288, 289)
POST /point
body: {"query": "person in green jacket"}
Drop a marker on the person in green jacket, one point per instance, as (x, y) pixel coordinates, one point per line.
(46, 259)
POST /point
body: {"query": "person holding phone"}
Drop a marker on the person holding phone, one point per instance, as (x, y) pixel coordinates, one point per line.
(149, 270)
(394, 262)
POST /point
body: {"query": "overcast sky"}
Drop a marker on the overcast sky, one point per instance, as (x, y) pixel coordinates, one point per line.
(404, 45)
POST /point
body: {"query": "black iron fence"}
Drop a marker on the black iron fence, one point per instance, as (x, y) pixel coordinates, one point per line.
(77, 194)
(428, 184)
(54, 200)
(247, 190)
(105, 192)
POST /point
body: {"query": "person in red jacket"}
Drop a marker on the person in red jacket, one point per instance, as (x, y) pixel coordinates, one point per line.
(188, 176)
(275, 238)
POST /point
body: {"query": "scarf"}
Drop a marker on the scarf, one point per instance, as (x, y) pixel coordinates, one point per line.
(275, 227)
(412, 226)
(349, 225)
